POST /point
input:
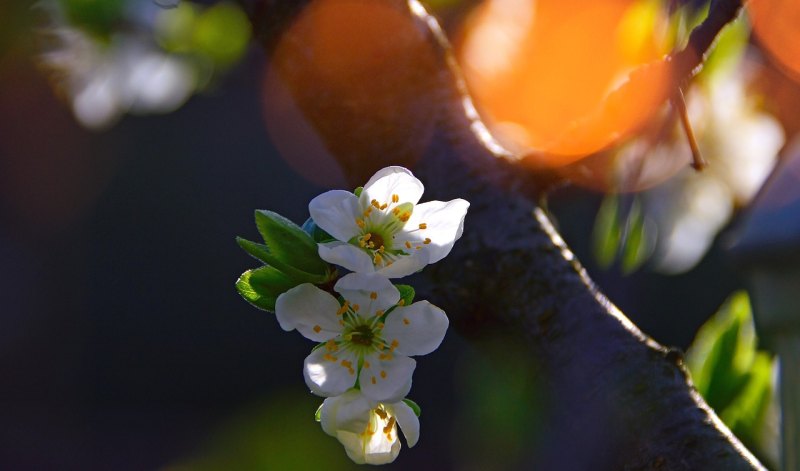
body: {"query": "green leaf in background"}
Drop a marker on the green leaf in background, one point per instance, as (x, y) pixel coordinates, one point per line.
(222, 33)
(289, 243)
(414, 406)
(318, 414)
(728, 50)
(732, 375)
(637, 245)
(406, 294)
(607, 233)
(99, 17)
(262, 286)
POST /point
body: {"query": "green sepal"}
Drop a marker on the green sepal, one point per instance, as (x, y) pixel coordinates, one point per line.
(406, 294)
(318, 414)
(358, 191)
(414, 406)
(262, 286)
(263, 253)
(289, 243)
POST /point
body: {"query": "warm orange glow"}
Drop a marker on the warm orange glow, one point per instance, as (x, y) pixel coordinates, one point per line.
(777, 26)
(542, 72)
(360, 77)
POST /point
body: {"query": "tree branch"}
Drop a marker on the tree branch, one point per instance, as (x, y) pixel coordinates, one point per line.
(621, 401)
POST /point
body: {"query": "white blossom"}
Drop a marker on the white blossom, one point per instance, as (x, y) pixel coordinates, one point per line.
(368, 430)
(384, 230)
(367, 340)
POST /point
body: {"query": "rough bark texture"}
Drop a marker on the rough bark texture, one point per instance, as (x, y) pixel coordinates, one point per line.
(622, 400)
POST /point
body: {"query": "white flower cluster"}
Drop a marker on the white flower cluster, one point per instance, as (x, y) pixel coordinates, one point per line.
(367, 335)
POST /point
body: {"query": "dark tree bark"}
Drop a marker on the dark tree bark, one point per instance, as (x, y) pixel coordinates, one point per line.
(621, 401)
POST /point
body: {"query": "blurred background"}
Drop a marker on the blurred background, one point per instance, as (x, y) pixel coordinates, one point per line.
(137, 137)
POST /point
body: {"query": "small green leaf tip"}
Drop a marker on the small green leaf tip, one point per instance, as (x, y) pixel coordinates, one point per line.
(289, 243)
(262, 286)
(406, 294)
(318, 414)
(358, 191)
(414, 406)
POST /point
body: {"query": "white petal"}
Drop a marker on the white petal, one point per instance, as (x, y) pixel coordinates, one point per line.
(444, 226)
(392, 181)
(406, 265)
(335, 212)
(329, 377)
(408, 422)
(417, 329)
(386, 380)
(353, 445)
(358, 288)
(309, 310)
(348, 256)
(349, 412)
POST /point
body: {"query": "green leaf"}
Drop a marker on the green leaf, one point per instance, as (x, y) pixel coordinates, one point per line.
(406, 294)
(262, 252)
(318, 414)
(222, 33)
(607, 233)
(722, 354)
(262, 286)
(358, 191)
(414, 406)
(289, 243)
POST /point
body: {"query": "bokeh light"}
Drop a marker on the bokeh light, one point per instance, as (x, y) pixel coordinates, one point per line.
(777, 26)
(553, 75)
(362, 75)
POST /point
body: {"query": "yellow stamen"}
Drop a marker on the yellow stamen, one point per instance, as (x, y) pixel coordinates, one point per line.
(408, 244)
(384, 206)
(360, 222)
(388, 429)
(423, 226)
(378, 259)
(331, 346)
(383, 374)
(376, 204)
(402, 302)
(404, 217)
(373, 295)
(426, 241)
(379, 313)
(356, 307)
(329, 357)
(394, 345)
(317, 329)
(395, 198)
(374, 381)
(381, 413)
(406, 321)
(366, 364)
(381, 249)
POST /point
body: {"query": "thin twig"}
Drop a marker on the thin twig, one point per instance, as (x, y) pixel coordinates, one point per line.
(679, 103)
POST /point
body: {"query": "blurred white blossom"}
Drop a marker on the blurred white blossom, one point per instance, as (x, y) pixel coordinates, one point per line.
(740, 143)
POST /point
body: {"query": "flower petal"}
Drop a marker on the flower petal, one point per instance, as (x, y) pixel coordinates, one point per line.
(392, 181)
(335, 212)
(328, 374)
(348, 256)
(349, 412)
(309, 310)
(358, 288)
(406, 265)
(443, 222)
(408, 422)
(386, 380)
(417, 329)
